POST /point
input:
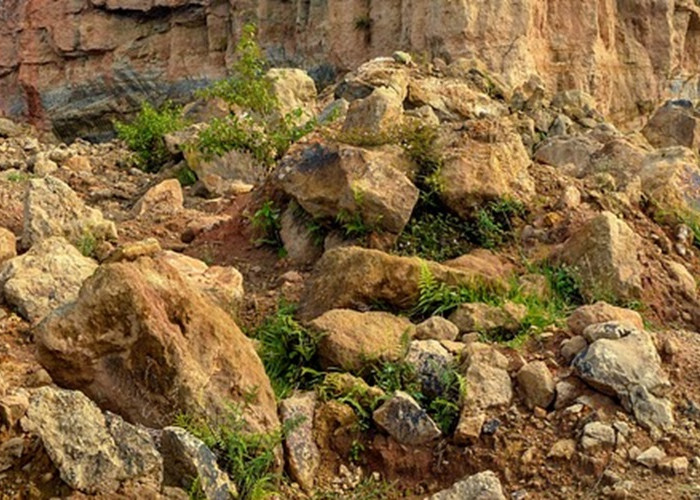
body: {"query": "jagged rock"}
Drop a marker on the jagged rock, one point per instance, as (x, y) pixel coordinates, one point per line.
(651, 457)
(601, 312)
(378, 114)
(234, 165)
(46, 277)
(8, 128)
(489, 267)
(52, 208)
(537, 384)
(669, 179)
(332, 181)
(378, 72)
(163, 198)
(630, 368)
(430, 361)
(303, 456)
(682, 279)
(186, 458)
(478, 171)
(143, 342)
(357, 277)
(8, 244)
(571, 347)
(478, 317)
(605, 253)
(487, 386)
(597, 435)
(436, 328)
(676, 123)
(12, 408)
(453, 99)
(222, 284)
(43, 167)
(607, 330)
(403, 418)
(482, 486)
(350, 338)
(11, 451)
(294, 90)
(94, 453)
(133, 250)
(568, 150)
(477, 352)
(469, 427)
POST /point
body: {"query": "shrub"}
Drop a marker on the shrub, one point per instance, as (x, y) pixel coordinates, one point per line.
(288, 351)
(145, 134)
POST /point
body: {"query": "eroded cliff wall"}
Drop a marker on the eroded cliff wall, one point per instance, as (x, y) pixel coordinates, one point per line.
(76, 64)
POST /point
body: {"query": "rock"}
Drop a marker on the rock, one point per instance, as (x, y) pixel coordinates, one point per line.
(403, 418)
(651, 457)
(376, 115)
(350, 338)
(78, 163)
(485, 265)
(605, 253)
(8, 128)
(482, 486)
(669, 179)
(572, 346)
(235, 165)
(597, 435)
(677, 466)
(223, 285)
(601, 312)
(294, 90)
(469, 427)
(302, 245)
(133, 250)
(169, 349)
(629, 368)
(186, 458)
(11, 451)
(567, 393)
(12, 408)
(609, 330)
(356, 277)
(431, 361)
(8, 245)
(43, 167)
(564, 449)
(487, 387)
(303, 456)
(52, 208)
(682, 279)
(436, 328)
(46, 277)
(652, 412)
(477, 352)
(453, 99)
(94, 453)
(537, 384)
(569, 199)
(561, 151)
(332, 181)
(163, 198)
(674, 124)
(484, 318)
(476, 172)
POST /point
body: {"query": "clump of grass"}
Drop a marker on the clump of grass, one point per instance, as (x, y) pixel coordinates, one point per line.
(288, 352)
(493, 223)
(267, 220)
(145, 134)
(87, 244)
(186, 176)
(248, 458)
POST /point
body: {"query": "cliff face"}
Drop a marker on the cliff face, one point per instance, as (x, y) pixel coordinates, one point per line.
(78, 63)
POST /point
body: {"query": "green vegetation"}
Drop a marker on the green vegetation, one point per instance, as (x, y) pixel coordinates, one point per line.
(493, 224)
(248, 458)
(186, 176)
(18, 176)
(87, 244)
(288, 352)
(145, 135)
(267, 221)
(438, 298)
(259, 129)
(357, 395)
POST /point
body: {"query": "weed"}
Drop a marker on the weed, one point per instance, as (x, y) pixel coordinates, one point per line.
(267, 220)
(355, 393)
(87, 244)
(356, 451)
(445, 408)
(434, 235)
(493, 224)
(248, 458)
(186, 176)
(363, 23)
(353, 224)
(145, 134)
(288, 351)
(195, 492)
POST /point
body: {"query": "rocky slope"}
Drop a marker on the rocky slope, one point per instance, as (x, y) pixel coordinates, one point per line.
(76, 64)
(494, 296)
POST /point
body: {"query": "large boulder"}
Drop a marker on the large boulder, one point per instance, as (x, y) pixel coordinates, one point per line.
(94, 453)
(375, 116)
(481, 168)
(676, 123)
(294, 90)
(453, 98)
(629, 367)
(671, 180)
(52, 208)
(350, 339)
(143, 342)
(601, 312)
(568, 150)
(605, 253)
(353, 277)
(46, 277)
(328, 181)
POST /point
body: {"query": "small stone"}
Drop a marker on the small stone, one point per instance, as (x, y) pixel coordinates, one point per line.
(8, 244)
(601, 312)
(564, 448)
(469, 428)
(78, 163)
(12, 409)
(597, 435)
(566, 394)
(536, 383)
(303, 457)
(430, 361)
(609, 330)
(482, 486)
(437, 328)
(491, 426)
(164, 198)
(11, 451)
(570, 198)
(405, 421)
(679, 465)
(651, 457)
(44, 166)
(572, 346)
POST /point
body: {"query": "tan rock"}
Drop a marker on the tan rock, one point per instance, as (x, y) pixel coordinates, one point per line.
(162, 198)
(303, 456)
(144, 343)
(478, 317)
(8, 244)
(601, 312)
(674, 124)
(469, 427)
(537, 384)
(350, 338)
